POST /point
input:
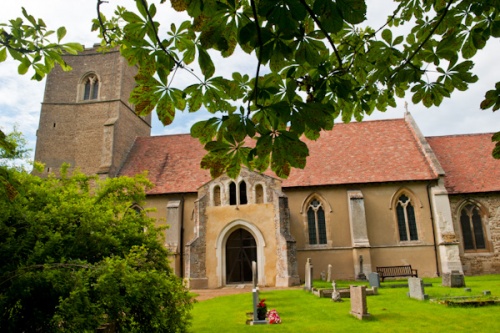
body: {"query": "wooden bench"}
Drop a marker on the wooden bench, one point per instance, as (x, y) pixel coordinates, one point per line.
(396, 271)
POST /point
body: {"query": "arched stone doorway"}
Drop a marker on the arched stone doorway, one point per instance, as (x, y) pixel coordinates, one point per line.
(241, 250)
(220, 250)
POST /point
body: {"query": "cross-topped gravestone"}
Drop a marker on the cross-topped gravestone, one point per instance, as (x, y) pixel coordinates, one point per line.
(255, 295)
(361, 275)
(335, 294)
(255, 290)
(254, 274)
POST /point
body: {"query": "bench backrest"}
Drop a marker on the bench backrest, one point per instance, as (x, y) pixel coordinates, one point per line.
(395, 270)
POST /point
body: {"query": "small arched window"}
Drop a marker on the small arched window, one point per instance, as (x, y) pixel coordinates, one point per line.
(407, 224)
(90, 87)
(472, 228)
(316, 223)
(136, 208)
(217, 195)
(232, 194)
(259, 194)
(243, 193)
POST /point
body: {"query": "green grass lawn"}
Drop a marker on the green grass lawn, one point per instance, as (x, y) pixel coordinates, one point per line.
(391, 311)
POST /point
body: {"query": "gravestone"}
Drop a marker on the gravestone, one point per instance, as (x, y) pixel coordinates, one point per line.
(359, 308)
(255, 295)
(374, 279)
(308, 275)
(416, 286)
(361, 275)
(454, 280)
(329, 274)
(323, 276)
(335, 293)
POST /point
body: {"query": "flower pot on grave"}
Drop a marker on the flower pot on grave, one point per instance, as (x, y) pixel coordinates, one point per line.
(261, 313)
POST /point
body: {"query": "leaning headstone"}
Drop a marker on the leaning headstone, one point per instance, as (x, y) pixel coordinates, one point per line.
(374, 279)
(416, 286)
(255, 295)
(359, 308)
(455, 279)
(309, 275)
(335, 294)
(329, 274)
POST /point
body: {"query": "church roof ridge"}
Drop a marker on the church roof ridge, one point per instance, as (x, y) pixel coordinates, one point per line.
(359, 152)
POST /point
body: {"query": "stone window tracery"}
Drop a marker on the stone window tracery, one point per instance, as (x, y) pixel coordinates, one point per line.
(90, 87)
(471, 223)
(316, 223)
(407, 223)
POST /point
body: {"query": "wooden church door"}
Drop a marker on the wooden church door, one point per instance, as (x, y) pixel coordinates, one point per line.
(241, 250)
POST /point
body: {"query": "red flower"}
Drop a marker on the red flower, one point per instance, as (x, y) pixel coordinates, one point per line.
(262, 304)
(274, 318)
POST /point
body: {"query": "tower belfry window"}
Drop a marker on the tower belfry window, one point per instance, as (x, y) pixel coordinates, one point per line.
(90, 88)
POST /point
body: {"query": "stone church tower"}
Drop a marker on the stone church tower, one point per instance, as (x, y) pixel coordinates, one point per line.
(86, 119)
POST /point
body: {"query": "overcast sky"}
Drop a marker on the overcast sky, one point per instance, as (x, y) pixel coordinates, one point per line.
(20, 97)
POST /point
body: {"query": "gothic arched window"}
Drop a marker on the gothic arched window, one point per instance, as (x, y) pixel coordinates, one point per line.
(316, 223)
(90, 87)
(407, 223)
(472, 228)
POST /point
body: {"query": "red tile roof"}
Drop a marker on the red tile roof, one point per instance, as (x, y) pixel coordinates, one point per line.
(467, 161)
(172, 161)
(365, 152)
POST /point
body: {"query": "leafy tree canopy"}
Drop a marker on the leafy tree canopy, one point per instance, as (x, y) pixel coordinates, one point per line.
(14, 147)
(315, 61)
(76, 256)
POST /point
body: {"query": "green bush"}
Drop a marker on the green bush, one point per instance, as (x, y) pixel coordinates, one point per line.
(74, 256)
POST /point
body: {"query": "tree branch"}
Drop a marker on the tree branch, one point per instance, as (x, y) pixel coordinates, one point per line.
(101, 23)
(445, 11)
(320, 26)
(26, 269)
(158, 41)
(5, 42)
(259, 38)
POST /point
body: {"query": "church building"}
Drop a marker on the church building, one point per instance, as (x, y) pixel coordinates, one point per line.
(373, 193)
